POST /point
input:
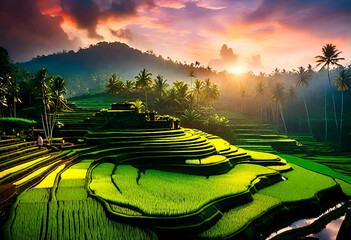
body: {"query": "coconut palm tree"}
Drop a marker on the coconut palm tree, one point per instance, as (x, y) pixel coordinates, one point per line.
(342, 81)
(191, 75)
(115, 85)
(160, 85)
(144, 82)
(260, 92)
(278, 97)
(182, 95)
(197, 91)
(41, 89)
(329, 58)
(128, 87)
(210, 92)
(303, 77)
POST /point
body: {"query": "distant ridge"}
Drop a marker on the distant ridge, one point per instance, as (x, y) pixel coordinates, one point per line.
(88, 69)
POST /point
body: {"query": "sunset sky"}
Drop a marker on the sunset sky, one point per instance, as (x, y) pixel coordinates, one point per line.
(259, 34)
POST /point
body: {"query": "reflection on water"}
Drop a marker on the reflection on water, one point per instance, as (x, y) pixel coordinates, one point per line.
(329, 232)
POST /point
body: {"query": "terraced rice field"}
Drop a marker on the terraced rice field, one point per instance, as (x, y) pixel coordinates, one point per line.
(158, 183)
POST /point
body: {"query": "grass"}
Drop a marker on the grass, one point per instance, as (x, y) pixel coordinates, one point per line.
(33, 174)
(48, 181)
(9, 123)
(35, 195)
(237, 218)
(167, 193)
(316, 167)
(20, 167)
(301, 184)
(346, 187)
(261, 155)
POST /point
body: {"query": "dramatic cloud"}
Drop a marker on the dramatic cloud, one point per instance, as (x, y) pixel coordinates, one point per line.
(264, 34)
(123, 33)
(26, 33)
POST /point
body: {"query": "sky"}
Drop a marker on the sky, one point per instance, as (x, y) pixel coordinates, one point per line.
(236, 35)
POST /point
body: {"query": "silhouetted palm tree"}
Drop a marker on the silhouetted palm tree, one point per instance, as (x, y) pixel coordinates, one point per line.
(278, 97)
(160, 85)
(144, 82)
(342, 81)
(191, 75)
(41, 89)
(329, 58)
(303, 77)
(260, 92)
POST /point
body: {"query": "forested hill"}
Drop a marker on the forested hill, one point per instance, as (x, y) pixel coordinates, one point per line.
(88, 70)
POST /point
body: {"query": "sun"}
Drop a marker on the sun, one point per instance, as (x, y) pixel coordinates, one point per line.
(237, 69)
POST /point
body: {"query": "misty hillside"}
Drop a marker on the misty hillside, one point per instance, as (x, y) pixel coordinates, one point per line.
(88, 70)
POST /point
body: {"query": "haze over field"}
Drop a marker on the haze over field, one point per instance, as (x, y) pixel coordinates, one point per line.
(260, 35)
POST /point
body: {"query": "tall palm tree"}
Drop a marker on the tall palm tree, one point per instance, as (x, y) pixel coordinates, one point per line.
(329, 58)
(211, 94)
(144, 82)
(303, 77)
(160, 85)
(342, 81)
(197, 91)
(278, 97)
(192, 75)
(41, 89)
(260, 92)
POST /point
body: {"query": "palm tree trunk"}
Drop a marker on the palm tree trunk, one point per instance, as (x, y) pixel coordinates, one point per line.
(307, 114)
(334, 108)
(325, 115)
(282, 116)
(14, 106)
(147, 105)
(341, 115)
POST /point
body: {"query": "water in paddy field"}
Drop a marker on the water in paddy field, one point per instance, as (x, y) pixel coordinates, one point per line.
(328, 233)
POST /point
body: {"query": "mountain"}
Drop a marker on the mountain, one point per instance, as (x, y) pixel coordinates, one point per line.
(88, 69)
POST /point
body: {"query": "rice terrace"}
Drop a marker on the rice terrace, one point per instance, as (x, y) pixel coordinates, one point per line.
(242, 132)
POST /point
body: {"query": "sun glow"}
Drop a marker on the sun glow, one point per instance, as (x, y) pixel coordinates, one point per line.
(237, 69)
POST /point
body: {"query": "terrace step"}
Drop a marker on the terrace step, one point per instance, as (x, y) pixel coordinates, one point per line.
(17, 153)
(11, 141)
(16, 146)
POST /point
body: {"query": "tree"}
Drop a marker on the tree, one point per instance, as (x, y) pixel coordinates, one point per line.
(160, 85)
(260, 90)
(192, 75)
(210, 92)
(303, 77)
(115, 85)
(197, 91)
(342, 81)
(329, 58)
(278, 97)
(144, 82)
(129, 87)
(181, 95)
(41, 89)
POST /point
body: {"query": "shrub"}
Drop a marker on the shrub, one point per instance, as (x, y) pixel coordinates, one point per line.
(17, 124)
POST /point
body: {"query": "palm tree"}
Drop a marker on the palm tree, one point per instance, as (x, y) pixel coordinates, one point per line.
(210, 92)
(160, 85)
(41, 89)
(197, 91)
(190, 117)
(278, 97)
(329, 58)
(129, 87)
(182, 95)
(303, 77)
(144, 82)
(342, 82)
(115, 85)
(292, 93)
(191, 75)
(260, 92)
